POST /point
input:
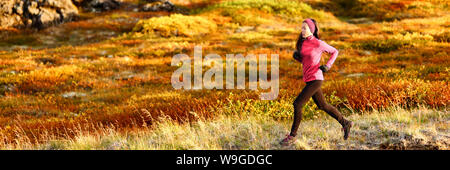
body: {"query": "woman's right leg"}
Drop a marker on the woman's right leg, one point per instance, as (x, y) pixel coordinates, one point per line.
(319, 99)
(321, 103)
(308, 91)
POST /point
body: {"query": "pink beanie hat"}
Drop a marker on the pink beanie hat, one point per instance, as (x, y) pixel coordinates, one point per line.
(311, 25)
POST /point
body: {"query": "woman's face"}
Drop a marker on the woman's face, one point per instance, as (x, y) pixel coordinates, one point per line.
(305, 30)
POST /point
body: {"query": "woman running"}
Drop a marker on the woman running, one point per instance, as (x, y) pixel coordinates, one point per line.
(309, 49)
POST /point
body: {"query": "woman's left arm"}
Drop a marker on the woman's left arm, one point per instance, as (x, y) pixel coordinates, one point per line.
(331, 50)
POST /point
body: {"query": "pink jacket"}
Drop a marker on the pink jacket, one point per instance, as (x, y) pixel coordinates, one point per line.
(311, 53)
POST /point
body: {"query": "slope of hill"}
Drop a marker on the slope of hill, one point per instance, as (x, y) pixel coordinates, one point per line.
(91, 82)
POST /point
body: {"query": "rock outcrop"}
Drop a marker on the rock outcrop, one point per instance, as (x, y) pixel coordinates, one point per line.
(43, 13)
(97, 5)
(36, 13)
(158, 5)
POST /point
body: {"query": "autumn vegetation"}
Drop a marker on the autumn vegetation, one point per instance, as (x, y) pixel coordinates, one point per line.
(103, 81)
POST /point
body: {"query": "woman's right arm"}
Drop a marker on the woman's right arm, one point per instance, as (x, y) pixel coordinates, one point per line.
(297, 56)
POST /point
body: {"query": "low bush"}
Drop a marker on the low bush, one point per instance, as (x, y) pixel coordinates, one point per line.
(175, 25)
(382, 46)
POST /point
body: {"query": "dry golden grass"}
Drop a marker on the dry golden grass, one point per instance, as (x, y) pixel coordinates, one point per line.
(394, 128)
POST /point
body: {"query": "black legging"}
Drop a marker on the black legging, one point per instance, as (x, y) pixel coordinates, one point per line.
(312, 89)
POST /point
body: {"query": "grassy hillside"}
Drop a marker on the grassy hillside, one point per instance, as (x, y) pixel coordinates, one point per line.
(93, 82)
(384, 10)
